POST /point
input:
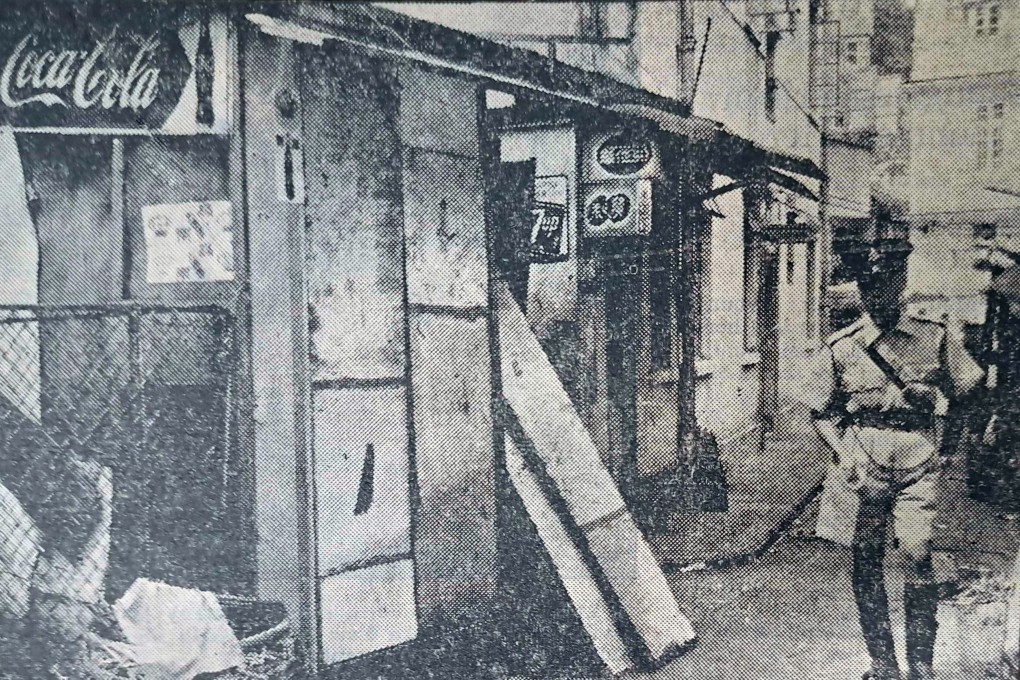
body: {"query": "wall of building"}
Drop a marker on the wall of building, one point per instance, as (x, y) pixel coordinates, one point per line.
(948, 44)
(851, 172)
(731, 89)
(635, 43)
(728, 380)
(961, 123)
(951, 162)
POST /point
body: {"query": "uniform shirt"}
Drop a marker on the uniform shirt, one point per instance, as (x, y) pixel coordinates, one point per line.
(921, 351)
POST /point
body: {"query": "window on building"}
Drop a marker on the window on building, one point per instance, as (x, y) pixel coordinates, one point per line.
(990, 121)
(851, 55)
(771, 39)
(984, 18)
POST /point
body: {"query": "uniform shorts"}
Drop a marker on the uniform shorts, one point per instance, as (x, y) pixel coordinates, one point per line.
(912, 510)
(907, 497)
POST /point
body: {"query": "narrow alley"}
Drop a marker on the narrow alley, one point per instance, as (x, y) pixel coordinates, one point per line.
(509, 340)
(790, 614)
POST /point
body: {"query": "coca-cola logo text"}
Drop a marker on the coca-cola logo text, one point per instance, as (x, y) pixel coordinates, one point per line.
(85, 79)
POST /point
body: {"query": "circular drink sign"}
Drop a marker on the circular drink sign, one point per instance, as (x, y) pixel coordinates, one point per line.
(623, 154)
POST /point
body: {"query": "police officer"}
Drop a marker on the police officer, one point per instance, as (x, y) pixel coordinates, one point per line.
(885, 384)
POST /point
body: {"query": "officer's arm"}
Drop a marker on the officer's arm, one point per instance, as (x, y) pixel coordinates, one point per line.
(817, 396)
(963, 371)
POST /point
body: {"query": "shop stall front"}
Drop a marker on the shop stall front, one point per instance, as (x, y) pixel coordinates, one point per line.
(123, 318)
(386, 452)
(265, 268)
(125, 389)
(665, 269)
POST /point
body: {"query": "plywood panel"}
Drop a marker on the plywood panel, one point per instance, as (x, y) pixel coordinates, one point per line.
(629, 565)
(534, 391)
(276, 230)
(367, 609)
(548, 419)
(438, 112)
(455, 539)
(445, 230)
(347, 423)
(80, 245)
(355, 257)
(175, 170)
(574, 574)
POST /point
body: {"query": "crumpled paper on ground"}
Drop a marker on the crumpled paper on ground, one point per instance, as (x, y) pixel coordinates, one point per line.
(176, 633)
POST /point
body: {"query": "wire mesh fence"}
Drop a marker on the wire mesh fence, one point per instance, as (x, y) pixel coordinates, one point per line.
(118, 460)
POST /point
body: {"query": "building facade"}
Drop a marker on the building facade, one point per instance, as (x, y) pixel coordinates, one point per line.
(962, 123)
(740, 65)
(357, 431)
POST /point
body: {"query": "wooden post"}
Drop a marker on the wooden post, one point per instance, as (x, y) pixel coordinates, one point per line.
(284, 518)
(685, 265)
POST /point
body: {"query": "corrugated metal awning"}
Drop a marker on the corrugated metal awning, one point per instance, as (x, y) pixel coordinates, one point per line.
(398, 35)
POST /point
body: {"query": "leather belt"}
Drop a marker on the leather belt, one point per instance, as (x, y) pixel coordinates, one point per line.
(911, 421)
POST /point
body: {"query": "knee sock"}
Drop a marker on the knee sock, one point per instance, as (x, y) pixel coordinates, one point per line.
(873, 606)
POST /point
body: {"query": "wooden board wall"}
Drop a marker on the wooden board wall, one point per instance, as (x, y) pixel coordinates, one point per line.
(80, 246)
(354, 266)
(447, 283)
(355, 228)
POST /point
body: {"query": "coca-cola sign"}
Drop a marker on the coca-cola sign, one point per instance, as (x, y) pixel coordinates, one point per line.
(92, 74)
(84, 79)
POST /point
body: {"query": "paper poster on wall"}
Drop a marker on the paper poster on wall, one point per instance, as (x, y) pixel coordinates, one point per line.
(549, 241)
(188, 242)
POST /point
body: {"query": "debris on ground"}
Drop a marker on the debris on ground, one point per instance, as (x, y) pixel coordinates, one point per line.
(972, 629)
(173, 633)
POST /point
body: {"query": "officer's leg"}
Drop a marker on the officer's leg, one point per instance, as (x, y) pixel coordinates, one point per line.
(914, 514)
(869, 583)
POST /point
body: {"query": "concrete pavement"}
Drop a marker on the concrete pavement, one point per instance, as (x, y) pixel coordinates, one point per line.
(790, 613)
(770, 482)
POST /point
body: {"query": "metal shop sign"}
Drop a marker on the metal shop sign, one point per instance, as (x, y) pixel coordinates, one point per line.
(624, 155)
(76, 69)
(620, 153)
(549, 240)
(618, 208)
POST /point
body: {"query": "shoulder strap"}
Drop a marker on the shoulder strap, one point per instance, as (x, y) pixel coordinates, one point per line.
(884, 366)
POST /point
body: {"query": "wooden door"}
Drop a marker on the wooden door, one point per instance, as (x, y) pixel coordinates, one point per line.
(365, 575)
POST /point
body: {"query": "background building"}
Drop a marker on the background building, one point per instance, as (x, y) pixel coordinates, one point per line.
(961, 117)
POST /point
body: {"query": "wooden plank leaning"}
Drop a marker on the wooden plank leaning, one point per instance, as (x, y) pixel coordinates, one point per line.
(583, 591)
(548, 418)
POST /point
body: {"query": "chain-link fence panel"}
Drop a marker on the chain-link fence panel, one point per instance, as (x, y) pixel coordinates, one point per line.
(118, 460)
